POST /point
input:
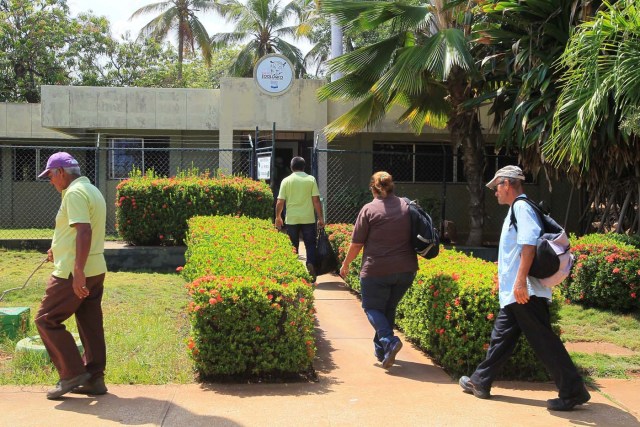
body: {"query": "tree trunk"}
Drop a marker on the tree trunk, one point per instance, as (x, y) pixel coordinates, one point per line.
(623, 212)
(180, 52)
(466, 132)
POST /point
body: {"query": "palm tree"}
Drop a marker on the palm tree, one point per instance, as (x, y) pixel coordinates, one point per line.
(425, 66)
(260, 25)
(525, 40)
(595, 129)
(179, 16)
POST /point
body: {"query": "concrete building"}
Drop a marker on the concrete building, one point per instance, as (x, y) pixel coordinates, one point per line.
(167, 128)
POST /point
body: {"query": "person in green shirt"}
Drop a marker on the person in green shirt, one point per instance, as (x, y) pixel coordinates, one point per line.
(77, 282)
(299, 192)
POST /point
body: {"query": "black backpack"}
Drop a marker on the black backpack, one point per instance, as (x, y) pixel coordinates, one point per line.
(424, 236)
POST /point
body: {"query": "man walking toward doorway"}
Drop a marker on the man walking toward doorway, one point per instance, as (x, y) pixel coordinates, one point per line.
(299, 192)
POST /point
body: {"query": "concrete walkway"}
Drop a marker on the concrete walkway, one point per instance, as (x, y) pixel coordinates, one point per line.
(353, 390)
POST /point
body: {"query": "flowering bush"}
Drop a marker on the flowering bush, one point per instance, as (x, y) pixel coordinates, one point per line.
(606, 274)
(450, 309)
(250, 326)
(152, 210)
(252, 301)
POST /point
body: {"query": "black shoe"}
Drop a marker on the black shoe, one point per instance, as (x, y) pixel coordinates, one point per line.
(379, 356)
(390, 355)
(94, 387)
(560, 404)
(65, 386)
(469, 387)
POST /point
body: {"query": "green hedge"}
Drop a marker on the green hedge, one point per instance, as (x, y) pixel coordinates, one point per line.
(252, 301)
(450, 309)
(606, 273)
(153, 211)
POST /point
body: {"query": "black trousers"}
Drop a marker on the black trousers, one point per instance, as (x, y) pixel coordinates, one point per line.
(533, 320)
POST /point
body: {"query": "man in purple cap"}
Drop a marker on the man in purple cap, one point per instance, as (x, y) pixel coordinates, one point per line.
(524, 303)
(76, 284)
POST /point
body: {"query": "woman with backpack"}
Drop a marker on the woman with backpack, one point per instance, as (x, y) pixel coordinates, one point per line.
(389, 262)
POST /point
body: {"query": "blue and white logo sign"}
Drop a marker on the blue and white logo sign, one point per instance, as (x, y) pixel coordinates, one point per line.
(274, 74)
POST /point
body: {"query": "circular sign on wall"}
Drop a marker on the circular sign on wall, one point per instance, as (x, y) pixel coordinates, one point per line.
(273, 74)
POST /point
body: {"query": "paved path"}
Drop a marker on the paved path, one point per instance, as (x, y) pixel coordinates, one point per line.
(353, 390)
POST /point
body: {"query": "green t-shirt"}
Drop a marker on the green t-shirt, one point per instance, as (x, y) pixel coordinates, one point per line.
(297, 190)
(82, 203)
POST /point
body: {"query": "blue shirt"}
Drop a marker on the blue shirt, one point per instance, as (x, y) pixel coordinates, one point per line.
(510, 248)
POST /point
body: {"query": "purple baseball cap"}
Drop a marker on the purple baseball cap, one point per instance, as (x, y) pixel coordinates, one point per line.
(59, 160)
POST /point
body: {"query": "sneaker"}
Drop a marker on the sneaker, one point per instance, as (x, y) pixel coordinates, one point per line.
(469, 387)
(95, 387)
(390, 355)
(560, 404)
(379, 356)
(65, 386)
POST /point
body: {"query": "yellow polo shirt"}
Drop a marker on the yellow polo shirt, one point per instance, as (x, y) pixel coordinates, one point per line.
(82, 203)
(297, 191)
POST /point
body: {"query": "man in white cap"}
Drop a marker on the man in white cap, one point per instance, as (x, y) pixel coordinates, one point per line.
(524, 304)
(76, 284)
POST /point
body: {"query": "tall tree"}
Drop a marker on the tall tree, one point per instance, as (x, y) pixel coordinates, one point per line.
(595, 129)
(260, 26)
(525, 40)
(179, 16)
(41, 44)
(426, 67)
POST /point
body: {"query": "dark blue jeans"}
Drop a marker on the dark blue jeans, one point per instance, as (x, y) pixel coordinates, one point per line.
(308, 237)
(380, 298)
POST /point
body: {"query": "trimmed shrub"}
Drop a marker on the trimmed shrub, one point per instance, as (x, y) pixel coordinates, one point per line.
(450, 309)
(252, 301)
(154, 211)
(606, 274)
(243, 326)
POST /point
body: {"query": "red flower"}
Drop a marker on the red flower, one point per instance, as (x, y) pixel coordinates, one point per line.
(485, 346)
(213, 301)
(490, 316)
(633, 294)
(257, 328)
(455, 276)
(179, 268)
(616, 270)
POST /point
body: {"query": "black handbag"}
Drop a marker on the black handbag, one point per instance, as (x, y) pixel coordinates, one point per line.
(326, 260)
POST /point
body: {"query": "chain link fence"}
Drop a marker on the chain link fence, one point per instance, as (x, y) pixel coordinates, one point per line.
(29, 204)
(431, 174)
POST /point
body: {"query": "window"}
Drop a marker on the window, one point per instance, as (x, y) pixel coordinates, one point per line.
(141, 153)
(434, 162)
(28, 163)
(414, 162)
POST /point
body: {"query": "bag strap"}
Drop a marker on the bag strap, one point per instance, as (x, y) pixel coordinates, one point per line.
(535, 207)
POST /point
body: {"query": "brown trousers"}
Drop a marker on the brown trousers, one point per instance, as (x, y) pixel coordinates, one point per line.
(58, 304)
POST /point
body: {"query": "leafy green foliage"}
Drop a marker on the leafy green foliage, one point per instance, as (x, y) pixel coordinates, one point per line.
(606, 274)
(259, 26)
(152, 210)
(450, 309)
(251, 306)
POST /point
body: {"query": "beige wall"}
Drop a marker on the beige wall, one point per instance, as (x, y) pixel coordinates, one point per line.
(24, 121)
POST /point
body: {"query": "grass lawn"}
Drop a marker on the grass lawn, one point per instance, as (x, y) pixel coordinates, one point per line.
(595, 325)
(145, 325)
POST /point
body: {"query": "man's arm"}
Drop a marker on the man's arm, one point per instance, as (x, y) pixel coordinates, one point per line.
(83, 245)
(520, 286)
(279, 207)
(318, 208)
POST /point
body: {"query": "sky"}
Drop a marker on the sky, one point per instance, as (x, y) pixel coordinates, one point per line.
(119, 11)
